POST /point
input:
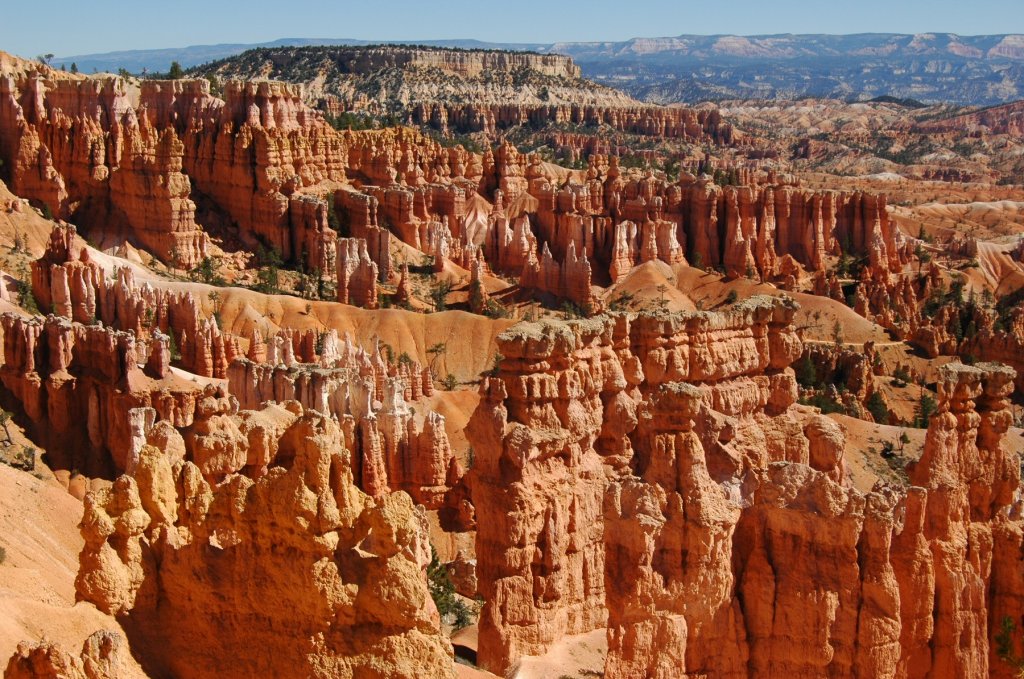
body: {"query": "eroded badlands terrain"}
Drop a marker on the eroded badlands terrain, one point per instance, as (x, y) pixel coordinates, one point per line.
(298, 382)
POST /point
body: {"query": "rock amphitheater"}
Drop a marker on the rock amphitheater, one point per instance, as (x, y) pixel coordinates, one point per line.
(286, 400)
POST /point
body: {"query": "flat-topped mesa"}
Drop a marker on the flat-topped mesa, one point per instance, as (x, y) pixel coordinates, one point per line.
(78, 385)
(466, 91)
(471, 63)
(67, 281)
(174, 553)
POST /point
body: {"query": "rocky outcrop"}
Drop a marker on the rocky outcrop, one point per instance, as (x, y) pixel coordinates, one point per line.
(104, 655)
(87, 143)
(396, 443)
(77, 385)
(67, 282)
(626, 117)
(804, 577)
(357, 274)
(720, 512)
(312, 241)
(537, 485)
(620, 219)
(556, 426)
(131, 156)
(265, 160)
(569, 280)
(338, 589)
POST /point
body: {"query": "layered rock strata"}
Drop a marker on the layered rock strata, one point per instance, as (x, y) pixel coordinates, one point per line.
(555, 424)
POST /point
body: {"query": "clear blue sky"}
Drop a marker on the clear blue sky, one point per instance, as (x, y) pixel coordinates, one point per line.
(66, 27)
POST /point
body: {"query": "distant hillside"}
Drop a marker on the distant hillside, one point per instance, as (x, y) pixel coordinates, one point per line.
(392, 79)
(159, 60)
(932, 67)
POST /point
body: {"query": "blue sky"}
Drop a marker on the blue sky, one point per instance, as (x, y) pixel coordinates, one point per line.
(66, 27)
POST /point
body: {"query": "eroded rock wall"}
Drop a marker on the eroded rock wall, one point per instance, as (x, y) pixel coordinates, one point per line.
(77, 386)
(200, 573)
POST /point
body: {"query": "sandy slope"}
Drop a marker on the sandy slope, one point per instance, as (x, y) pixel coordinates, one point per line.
(39, 532)
(864, 442)
(988, 220)
(580, 655)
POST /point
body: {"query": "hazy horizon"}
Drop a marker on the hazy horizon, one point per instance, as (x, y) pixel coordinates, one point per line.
(76, 28)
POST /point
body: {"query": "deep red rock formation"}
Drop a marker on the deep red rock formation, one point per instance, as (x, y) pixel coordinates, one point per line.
(66, 281)
(77, 385)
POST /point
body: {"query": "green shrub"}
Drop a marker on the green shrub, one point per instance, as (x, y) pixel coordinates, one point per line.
(876, 406)
(824, 403)
(442, 591)
(924, 410)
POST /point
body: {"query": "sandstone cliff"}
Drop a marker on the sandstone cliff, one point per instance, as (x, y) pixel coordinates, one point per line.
(464, 91)
(668, 452)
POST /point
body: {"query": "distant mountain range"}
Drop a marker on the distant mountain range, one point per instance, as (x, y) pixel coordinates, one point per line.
(931, 67)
